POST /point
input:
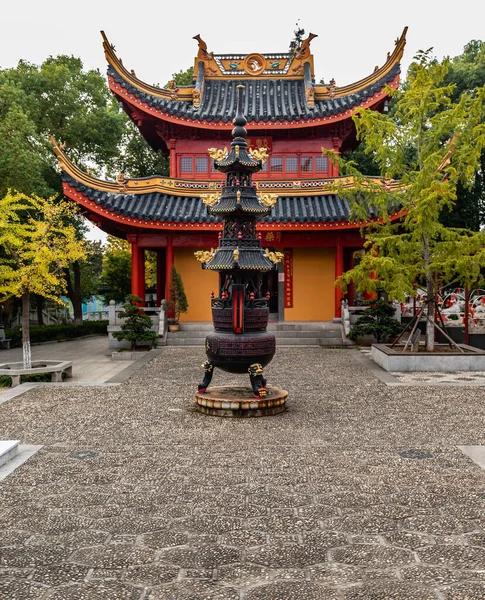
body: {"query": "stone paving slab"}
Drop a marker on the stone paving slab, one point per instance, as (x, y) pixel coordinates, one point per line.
(358, 492)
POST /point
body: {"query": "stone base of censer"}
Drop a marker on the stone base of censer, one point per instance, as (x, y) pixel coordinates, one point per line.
(235, 401)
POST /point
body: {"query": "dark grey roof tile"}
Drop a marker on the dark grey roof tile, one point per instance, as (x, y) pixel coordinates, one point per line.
(264, 100)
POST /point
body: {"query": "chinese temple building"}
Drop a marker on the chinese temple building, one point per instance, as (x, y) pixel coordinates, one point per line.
(290, 116)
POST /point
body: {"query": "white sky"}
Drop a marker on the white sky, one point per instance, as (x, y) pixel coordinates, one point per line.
(155, 37)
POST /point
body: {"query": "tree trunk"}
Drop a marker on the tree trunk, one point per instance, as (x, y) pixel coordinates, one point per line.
(74, 292)
(40, 309)
(430, 295)
(27, 355)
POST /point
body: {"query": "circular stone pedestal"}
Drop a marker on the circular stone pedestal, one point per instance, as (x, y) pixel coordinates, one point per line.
(235, 401)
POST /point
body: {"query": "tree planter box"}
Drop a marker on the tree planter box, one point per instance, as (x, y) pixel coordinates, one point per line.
(55, 367)
(443, 360)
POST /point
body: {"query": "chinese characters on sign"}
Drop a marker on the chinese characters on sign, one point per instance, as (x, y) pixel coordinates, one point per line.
(288, 253)
(260, 142)
(270, 238)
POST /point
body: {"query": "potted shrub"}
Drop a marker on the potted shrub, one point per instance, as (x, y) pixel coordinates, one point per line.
(136, 327)
(378, 320)
(177, 303)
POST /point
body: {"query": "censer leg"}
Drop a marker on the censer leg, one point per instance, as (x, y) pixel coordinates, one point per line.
(209, 371)
(258, 382)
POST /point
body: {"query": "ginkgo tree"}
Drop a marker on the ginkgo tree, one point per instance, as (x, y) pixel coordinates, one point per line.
(424, 147)
(37, 241)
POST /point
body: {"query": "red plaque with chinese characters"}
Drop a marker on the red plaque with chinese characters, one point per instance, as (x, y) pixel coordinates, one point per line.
(259, 142)
(288, 278)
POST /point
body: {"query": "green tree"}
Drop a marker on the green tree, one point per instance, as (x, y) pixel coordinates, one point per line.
(446, 139)
(83, 278)
(138, 159)
(466, 72)
(178, 300)
(116, 273)
(37, 241)
(61, 99)
(182, 78)
(137, 325)
(378, 320)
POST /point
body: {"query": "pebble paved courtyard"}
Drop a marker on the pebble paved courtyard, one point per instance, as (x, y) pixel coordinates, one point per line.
(358, 492)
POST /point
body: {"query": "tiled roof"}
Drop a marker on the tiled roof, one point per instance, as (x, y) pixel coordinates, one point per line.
(167, 208)
(264, 100)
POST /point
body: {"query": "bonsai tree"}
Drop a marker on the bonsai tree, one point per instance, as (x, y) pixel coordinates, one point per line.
(137, 325)
(177, 303)
(378, 320)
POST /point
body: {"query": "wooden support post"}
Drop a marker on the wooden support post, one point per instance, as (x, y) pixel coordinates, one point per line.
(161, 275)
(339, 269)
(467, 315)
(137, 271)
(168, 266)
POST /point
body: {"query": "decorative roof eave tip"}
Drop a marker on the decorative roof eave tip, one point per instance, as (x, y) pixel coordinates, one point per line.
(324, 92)
(184, 95)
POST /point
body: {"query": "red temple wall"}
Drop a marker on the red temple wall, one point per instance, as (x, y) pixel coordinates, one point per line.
(189, 158)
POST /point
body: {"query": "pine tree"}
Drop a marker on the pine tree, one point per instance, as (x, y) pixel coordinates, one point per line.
(137, 325)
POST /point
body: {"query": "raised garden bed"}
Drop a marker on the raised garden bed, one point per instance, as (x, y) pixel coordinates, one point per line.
(444, 359)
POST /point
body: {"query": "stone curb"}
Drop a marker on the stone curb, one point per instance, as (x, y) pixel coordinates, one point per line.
(391, 381)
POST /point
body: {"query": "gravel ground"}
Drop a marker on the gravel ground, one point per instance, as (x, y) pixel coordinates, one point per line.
(358, 492)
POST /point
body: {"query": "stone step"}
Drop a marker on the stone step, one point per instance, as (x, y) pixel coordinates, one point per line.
(272, 326)
(280, 341)
(8, 449)
(276, 332)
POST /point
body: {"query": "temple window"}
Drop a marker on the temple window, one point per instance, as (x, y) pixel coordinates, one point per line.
(186, 164)
(201, 164)
(306, 163)
(321, 164)
(291, 164)
(276, 164)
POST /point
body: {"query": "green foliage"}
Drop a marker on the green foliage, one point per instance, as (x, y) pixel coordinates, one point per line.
(138, 159)
(466, 72)
(56, 98)
(137, 325)
(38, 242)
(116, 273)
(64, 331)
(182, 77)
(430, 143)
(377, 321)
(178, 300)
(6, 381)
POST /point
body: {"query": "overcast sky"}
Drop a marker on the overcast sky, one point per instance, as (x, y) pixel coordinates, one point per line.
(155, 37)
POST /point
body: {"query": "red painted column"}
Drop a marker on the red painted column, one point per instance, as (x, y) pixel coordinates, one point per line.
(336, 149)
(339, 269)
(137, 271)
(168, 265)
(161, 276)
(173, 158)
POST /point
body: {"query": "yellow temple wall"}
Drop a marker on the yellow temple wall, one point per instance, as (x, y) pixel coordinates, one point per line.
(198, 285)
(313, 285)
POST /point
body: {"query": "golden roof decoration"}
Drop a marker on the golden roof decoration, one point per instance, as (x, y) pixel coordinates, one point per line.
(205, 256)
(274, 257)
